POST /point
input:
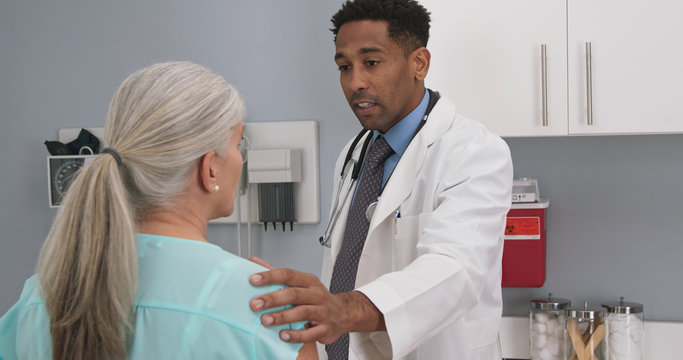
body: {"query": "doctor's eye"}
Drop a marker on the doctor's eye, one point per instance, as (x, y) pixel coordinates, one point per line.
(371, 62)
(343, 67)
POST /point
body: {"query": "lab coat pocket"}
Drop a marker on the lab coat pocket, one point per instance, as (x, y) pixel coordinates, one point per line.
(407, 232)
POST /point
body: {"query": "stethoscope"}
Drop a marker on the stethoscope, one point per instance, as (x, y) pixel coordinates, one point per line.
(353, 167)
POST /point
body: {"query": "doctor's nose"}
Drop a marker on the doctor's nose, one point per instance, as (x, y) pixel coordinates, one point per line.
(357, 81)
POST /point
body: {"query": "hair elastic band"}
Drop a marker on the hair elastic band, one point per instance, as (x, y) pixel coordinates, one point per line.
(113, 153)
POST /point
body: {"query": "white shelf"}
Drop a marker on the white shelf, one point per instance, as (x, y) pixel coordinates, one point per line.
(662, 339)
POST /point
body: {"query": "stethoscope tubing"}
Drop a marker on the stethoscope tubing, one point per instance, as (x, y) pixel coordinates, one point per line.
(334, 216)
(355, 170)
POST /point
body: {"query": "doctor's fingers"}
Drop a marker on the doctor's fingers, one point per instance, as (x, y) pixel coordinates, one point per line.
(314, 295)
(315, 314)
(317, 333)
(325, 330)
(284, 276)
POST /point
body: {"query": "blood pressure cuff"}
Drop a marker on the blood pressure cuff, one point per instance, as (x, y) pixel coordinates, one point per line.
(85, 138)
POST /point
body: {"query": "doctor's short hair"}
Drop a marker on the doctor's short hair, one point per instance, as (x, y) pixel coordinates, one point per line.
(408, 20)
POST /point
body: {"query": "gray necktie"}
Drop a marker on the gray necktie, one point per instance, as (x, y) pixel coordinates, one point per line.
(357, 224)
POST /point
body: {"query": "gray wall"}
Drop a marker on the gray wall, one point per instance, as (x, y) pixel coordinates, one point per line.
(614, 220)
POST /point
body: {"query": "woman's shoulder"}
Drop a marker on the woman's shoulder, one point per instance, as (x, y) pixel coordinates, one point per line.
(31, 294)
(195, 277)
(206, 289)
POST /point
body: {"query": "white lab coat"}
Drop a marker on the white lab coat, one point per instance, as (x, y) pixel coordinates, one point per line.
(435, 270)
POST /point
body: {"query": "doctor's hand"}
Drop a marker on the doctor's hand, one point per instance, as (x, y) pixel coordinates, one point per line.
(328, 315)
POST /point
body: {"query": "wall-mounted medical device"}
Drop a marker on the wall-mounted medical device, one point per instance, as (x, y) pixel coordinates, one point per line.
(275, 171)
(281, 177)
(524, 251)
(61, 171)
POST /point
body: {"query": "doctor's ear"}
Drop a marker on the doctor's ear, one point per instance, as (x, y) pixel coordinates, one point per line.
(420, 59)
(207, 171)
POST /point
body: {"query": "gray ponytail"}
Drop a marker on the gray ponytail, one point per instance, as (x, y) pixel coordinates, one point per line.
(161, 121)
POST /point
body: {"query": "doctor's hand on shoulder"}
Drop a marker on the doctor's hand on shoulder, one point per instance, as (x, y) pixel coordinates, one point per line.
(328, 315)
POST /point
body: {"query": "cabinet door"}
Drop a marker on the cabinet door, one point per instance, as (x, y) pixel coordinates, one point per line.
(486, 57)
(637, 66)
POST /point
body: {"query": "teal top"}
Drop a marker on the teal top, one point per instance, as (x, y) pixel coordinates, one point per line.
(192, 302)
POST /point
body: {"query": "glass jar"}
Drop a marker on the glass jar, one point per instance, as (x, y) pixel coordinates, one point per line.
(626, 330)
(586, 332)
(546, 327)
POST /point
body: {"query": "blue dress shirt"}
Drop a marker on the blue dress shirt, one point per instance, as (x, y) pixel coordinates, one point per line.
(400, 135)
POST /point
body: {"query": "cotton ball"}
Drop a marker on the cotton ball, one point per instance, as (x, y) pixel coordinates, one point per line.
(635, 325)
(540, 340)
(632, 350)
(539, 328)
(625, 356)
(535, 353)
(618, 326)
(547, 336)
(618, 345)
(541, 317)
(533, 329)
(551, 325)
(544, 354)
(553, 347)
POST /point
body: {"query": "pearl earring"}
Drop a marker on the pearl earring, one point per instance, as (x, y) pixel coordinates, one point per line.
(216, 188)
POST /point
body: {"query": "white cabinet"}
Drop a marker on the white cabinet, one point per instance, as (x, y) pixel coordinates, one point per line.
(637, 66)
(486, 57)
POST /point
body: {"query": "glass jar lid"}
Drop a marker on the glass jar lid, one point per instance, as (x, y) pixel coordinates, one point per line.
(586, 312)
(550, 303)
(623, 307)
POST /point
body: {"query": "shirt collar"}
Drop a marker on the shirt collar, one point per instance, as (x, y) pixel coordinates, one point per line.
(400, 135)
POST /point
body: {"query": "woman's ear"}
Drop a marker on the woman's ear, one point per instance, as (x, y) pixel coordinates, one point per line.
(421, 58)
(207, 172)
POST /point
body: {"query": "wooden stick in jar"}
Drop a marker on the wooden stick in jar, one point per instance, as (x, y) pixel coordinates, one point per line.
(577, 340)
(595, 340)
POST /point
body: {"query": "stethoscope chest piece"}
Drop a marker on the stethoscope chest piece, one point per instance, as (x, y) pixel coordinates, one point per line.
(370, 210)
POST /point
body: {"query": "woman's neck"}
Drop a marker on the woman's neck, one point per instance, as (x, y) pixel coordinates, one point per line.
(174, 222)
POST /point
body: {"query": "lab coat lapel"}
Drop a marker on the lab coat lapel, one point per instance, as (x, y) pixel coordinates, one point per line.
(403, 178)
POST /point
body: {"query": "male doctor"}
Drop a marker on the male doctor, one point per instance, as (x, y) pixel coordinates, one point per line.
(425, 276)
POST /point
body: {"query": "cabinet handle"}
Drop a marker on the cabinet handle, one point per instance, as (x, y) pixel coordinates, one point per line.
(589, 85)
(544, 83)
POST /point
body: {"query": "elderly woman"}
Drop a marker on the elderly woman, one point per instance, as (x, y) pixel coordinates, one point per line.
(126, 271)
